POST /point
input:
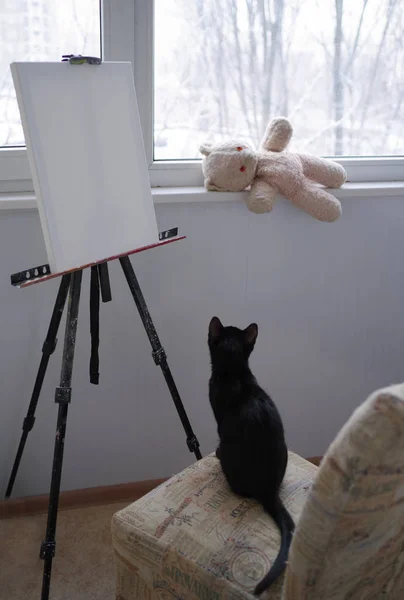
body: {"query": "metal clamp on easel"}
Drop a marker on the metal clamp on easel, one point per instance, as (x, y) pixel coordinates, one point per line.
(78, 59)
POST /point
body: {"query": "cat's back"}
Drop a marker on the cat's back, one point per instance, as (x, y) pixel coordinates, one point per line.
(258, 411)
(252, 440)
(247, 412)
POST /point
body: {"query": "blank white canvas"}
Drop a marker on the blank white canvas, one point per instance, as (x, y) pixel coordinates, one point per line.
(87, 158)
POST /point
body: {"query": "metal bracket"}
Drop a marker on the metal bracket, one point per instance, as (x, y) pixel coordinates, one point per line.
(192, 443)
(168, 233)
(63, 395)
(34, 273)
(48, 550)
(159, 356)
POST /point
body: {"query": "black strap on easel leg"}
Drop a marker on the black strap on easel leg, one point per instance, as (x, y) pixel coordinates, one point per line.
(105, 285)
(62, 397)
(99, 283)
(47, 350)
(94, 325)
(159, 354)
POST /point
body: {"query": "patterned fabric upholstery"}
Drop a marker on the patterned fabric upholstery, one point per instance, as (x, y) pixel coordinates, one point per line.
(192, 539)
(349, 543)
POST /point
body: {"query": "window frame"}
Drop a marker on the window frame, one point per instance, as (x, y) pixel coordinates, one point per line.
(127, 29)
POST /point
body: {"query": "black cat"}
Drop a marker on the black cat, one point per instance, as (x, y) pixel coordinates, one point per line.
(252, 448)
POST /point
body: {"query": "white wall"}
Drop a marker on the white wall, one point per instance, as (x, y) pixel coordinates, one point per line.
(328, 299)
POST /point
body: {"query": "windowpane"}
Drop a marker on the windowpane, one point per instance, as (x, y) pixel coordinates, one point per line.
(334, 67)
(40, 30)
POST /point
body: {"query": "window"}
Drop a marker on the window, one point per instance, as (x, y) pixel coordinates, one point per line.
(41, 31)
(334, 67)
(211, 69)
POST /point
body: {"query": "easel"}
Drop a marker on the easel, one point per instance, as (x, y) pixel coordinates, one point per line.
(70, 285)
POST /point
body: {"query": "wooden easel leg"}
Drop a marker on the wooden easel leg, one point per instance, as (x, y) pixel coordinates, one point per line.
(62, 397)
(159, 355)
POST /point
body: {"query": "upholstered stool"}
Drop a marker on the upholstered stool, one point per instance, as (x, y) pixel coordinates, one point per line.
(192, 539)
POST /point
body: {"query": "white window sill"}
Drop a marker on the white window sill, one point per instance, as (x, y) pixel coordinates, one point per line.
(174, 195)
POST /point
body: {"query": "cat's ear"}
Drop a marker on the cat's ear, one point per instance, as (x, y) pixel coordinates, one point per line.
(215, 329)
(251, 333)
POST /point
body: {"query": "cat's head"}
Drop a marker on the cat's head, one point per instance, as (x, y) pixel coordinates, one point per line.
(231, 343)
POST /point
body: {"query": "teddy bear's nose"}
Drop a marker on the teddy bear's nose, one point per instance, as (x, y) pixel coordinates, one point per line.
(242, 169)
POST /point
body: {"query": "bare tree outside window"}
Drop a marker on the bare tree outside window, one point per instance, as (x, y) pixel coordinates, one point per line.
(36, 31)
(223, 68)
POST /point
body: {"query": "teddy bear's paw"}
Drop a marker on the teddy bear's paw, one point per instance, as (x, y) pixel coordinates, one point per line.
(339, 175)
(334, 174)
(277, 135)
(261, 197)
(259, 205)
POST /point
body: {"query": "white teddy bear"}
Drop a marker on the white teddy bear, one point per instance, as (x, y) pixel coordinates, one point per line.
(233, 166)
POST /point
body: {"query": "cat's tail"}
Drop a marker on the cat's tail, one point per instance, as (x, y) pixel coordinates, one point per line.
(286, 525)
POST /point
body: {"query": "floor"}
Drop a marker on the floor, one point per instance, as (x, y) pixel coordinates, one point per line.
(83, 568)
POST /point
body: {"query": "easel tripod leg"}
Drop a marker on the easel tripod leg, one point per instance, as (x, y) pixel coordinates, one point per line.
(62, 397)
(159, 354)
(47, 349)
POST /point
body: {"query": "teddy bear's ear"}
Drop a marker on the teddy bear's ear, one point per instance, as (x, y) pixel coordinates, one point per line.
(205, 148)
